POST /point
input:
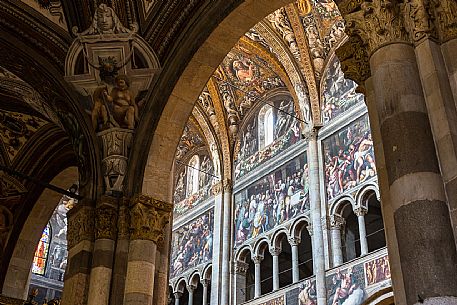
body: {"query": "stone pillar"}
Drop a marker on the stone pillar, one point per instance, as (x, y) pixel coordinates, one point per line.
(240, 270)
(216, 270)
(205, 284)
(361, 212)
(294, 242)
(416, 192)
(191, 290)
(258, 277)
(178, 296)
(120, 255)
(227, 241)
(315, 211)
(80, 237)
(162, 267)
(275, 253)
(103, 253)
(148, 218)
(336, 226)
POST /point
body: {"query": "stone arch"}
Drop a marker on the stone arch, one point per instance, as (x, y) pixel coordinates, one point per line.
(194, 278)
(277, 238)
(366, 191)
(383, 296)
(339, 205)
(206, 273)
(297, 226)
(157, 178)
(180, 285)
(18, 272)
(243, 252)
(260, 246)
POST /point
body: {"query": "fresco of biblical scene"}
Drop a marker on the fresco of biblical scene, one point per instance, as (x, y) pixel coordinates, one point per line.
(303, 295)
(377, 270)
(193, 184)
(271, 201)
(349, 157)
(339, 93)
(266, 134)
(192, 244)
(276, 301)
(346, 287)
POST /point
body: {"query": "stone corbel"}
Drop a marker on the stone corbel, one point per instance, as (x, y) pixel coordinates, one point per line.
(148, 218)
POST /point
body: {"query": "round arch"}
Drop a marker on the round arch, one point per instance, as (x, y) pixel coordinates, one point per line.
(18, 272)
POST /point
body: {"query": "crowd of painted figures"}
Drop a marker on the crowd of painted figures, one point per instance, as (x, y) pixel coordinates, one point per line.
(349, 158)
(192, 244)
(276, 199)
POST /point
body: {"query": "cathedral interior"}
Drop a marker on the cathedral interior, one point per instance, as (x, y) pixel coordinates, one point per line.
(227, 152)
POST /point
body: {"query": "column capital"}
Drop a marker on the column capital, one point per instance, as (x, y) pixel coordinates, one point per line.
(337, 222)
(148, 218)
(312, 133)
(80, 225)
(275, 251)
(177, 294)
(191, 288)
(257, 259)
(106, 218)
(360, 211)
(228, 186)
(205, 282)
(443, 13)
(241, 267)
(294, 241)
(217, 188)
(418, 21)
(310, 229)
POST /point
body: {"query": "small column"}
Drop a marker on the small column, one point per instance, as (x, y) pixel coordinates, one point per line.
(227, 241)
(216, 270)
(205, 283)
(258, 279)
(361, 212)
(191, 289)
(315, 213)
(178, 296)
(294, 242)
(148, 219)
(240, 270)
(102, 263)
(336, 226)
(275, 253)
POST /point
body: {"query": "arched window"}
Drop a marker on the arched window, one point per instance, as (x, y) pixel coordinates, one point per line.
(268, 127)
(192, 175)
(41, 253)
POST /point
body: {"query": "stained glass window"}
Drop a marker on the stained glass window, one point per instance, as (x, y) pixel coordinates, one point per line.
(41, 253)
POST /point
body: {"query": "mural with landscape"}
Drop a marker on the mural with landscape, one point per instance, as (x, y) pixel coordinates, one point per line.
(192, 244)
(273, 200)
(349, 157)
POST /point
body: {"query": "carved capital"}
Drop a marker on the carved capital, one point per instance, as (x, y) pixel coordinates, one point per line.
(80, 225)
(360, 211)
(191, 288)
(418, 20)
(177, 295)
(275, 251)
(294, 241)
(205, 282)
(123, 220)
(217, 188)
(241, 267)
(310, 229)
(377, 23)
(444, 13)
(257, 259)
(337, 222)
(228, 186)
(148, 218)
(312, 133)
(106, 220)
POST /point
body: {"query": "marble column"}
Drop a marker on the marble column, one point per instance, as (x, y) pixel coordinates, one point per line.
(227, 241)
(294, 242)
(315, 211)
(258, 277)
(80, 237)
(103, 253)
(240, 270)
(178, 296)
(275, 254)
(205, 284)
(148, 218)
(336, 226)
(216, 270)
(361, 212)
(191, 290)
